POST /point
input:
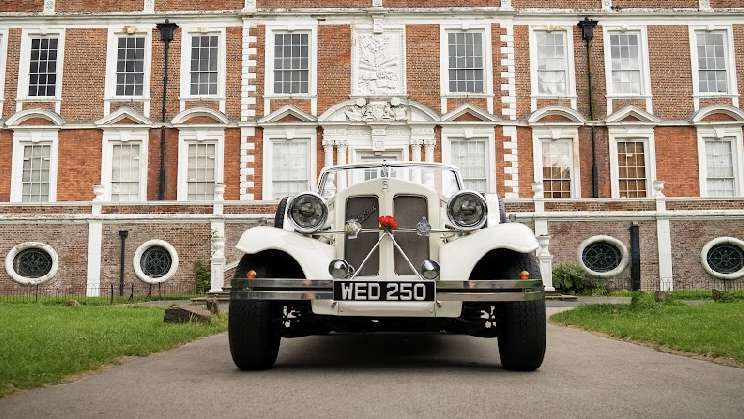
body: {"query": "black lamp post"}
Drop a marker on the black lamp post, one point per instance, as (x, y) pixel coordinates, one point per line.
(167, 30)
(587, 33)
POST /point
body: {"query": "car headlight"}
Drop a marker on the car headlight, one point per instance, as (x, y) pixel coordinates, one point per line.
(467, 210)
(308, 212)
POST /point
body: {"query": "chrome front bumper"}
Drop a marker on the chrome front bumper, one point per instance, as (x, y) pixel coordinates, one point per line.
(496, 290)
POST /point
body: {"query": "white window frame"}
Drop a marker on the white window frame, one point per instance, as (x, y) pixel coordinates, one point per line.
(25, 62)
(570, 66)
(288, 133)
(485, 30)
(731, 133)
(728, 39)
(3, 63)
(116, 136)
(188, 136)
(111, 61)
(645, 93)
(189, 32)
(33, 136)
(463, 132)
(645, 135)
(564, 134)
(312, 88)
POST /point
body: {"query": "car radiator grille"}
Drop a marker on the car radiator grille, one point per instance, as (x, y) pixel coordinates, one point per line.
(408, 211)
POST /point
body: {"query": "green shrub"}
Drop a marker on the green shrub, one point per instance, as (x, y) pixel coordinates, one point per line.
(202, 276)
(572, 278)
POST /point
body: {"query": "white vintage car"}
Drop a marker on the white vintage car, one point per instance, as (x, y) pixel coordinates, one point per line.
(388, 247)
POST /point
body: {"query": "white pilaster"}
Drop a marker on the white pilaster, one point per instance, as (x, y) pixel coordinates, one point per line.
(248, 71)
(429, 150)
(511, 162)
(247, 147)
(663, 239)
(545, 259)
(341, 147)
(95, 243)
(217, 226)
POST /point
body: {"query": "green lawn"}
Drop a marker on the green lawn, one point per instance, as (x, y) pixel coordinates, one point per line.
(715, 330)
(42, 344)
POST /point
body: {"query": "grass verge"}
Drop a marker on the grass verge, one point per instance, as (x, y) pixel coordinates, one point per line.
(712, 330)
(42, 344)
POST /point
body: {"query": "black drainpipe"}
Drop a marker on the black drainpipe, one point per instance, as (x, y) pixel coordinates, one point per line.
(166, 35)
(123, 234)
(587, 33)
(635, 257)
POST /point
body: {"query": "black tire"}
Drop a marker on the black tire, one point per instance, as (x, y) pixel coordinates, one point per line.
(254, 345)
(522, 324)
(280, 211)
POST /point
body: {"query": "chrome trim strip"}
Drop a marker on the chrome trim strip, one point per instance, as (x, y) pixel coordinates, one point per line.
(486, 284)
(495, 297)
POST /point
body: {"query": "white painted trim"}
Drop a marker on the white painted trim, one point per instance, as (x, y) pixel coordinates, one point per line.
(487, 52)
(95, 245)
(23, 137)
(464, 132)
(122, 113)
(188, 135)
(31, 281)
(285, 110)
(704, 257)
(138, 256)
(645, 134)
(3, 64)
(645, 93)
(19, 117)
(25, 61)
(565, 134)
(732, 133)
(575, 118)
(293, 25)
(610, 240)
(664, 245)
(116, 135)
(288, 133)
(728, 39)
(184, 116)
(644, 118)
(729, 110)
(188, 33)
(114, 33)
(570, 65)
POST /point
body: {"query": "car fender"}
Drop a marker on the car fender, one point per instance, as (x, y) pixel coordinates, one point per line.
(312, 255)
(458, 257)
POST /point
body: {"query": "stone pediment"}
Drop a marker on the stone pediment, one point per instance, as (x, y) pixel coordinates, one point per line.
(288, 114)
(632, 115)
(469, 113)
(123, 116)
(558, 115)
(379, 111)
(200, 115)
(720, 114)
(34, 117)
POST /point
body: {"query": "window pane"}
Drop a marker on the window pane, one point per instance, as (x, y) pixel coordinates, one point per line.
(291, 63)
(556, 160)
(711, 62)
(201, 171)
(720, 172)
(626, 63)
(551, 63)
(290, 171)
(466, 62)
(43, 67)
(204, 59)
(470, 157)
(631, 169)
(130, 66)
(125, 172)
(35, 178)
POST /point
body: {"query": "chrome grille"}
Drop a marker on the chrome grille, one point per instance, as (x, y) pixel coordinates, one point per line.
(408, 211)
(360, 207)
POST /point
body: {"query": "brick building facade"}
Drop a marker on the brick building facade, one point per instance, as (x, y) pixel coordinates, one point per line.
(261, 94)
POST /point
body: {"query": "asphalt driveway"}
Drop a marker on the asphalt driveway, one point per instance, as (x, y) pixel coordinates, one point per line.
(398, 376)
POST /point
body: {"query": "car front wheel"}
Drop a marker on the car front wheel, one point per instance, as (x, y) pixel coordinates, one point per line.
(254, 344)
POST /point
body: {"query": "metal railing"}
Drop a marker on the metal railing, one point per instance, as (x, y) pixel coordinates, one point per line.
(98, 295)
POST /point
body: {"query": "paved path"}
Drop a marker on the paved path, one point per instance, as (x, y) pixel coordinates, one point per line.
(398, 376)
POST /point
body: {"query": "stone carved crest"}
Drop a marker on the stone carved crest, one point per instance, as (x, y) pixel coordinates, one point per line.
(375, 111)
(378, 64)
(149, 5)
(606, 4)
(49, 6)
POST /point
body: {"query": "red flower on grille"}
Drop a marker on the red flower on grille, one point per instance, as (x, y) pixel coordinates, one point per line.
(388, 223)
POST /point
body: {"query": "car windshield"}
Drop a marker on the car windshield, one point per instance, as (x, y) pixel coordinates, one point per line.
(442, 178)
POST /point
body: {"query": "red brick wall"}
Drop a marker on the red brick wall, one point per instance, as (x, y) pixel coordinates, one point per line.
(422, 61)
(79, 164)
(526, 163)
(260, 33)
(522, 76)
(166, 5)
(598, 71)
(334, 65)
(602, 160)
(11, 72)
(739, 54)
(558, 4)
(299, 4)
(84, 78)
(234, 68)
(671, 75)
(6, 148)
(66, 6)
(686, 262)
(439, 3)
(21, 6)
(258, 165)
(69, 241)
(191, 241)
(656, 4)
(174, 76)
(171, 164)
(677, 160)
(232, 164)
(726, 3)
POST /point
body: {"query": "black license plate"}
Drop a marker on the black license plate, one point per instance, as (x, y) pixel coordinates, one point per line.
(384, 291)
